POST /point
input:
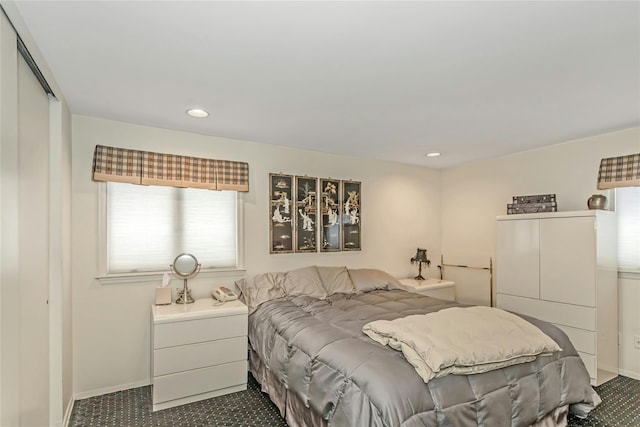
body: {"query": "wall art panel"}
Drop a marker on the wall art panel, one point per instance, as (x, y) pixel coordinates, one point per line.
(330, 214)
(306, 214)
(351, 214)
(281, 213)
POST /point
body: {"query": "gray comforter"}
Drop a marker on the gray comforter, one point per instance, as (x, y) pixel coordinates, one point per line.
(316, 348)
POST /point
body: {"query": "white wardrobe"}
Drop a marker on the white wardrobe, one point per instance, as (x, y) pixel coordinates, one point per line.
(562, 267)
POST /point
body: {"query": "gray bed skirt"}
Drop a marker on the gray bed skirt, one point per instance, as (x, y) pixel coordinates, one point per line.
(291, 407)
(296, 414)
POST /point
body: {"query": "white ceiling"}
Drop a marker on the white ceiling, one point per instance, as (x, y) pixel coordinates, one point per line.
(388, 80)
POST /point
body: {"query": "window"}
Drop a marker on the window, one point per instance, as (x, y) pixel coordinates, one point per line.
(148, 226)
(628, 211)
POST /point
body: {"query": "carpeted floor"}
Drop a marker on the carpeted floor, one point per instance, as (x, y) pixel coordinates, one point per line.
(129, 408)
(132, 408)
(620, 405)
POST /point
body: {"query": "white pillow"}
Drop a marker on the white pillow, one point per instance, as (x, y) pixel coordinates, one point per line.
(369, 279)
(304, 281)
(260, 288)
(336, 280)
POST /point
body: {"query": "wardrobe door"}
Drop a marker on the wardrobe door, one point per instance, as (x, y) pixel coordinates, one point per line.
(568, 260)
(517, 260)
(33, 229)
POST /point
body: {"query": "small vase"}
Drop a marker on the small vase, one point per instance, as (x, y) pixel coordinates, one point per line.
(597, 201)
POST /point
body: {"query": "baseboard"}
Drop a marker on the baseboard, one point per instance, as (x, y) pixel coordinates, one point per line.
(106, 390)
(67, 413)
(630, 374)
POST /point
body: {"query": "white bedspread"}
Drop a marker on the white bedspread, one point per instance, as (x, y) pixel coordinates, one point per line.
(462, 340)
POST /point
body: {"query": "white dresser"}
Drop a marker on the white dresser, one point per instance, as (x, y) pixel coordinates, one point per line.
(443, 289)
(562, 267)
(199, 351)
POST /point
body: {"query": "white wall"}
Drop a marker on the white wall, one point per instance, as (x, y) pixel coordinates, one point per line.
(400, 211)
(61, 354)
(473, 195)
(66, 296)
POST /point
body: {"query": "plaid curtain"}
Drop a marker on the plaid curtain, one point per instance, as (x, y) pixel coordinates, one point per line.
(148, 168)
(622, 171)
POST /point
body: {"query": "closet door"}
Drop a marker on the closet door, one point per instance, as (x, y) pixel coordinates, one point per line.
(568, 260)
(33, 229)
(517, 260)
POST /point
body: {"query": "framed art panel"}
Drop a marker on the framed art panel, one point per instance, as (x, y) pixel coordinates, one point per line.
(330, 214)
(306, 214)
(281, 228)
(351, 213)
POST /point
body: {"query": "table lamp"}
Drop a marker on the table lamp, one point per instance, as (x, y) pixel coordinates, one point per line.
(420, 257)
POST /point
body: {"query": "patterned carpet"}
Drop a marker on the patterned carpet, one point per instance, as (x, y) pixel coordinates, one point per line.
(620, 405)
(132, 408)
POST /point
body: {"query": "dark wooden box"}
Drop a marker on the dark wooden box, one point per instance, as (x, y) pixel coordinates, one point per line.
(536, 198)
(522, 208)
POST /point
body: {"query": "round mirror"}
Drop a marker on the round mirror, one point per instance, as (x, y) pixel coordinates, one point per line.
(185, 266)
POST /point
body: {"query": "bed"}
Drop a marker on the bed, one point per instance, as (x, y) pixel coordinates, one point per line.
(310, 355)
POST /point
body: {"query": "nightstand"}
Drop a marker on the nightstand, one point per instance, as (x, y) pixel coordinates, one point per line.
(436, 288)
(199, 351)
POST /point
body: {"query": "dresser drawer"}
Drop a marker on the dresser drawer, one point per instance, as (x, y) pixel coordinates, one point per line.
(589, 361)
(197, 381)
(170, 360)
(584, 341)
(200, 330)
(559, 313)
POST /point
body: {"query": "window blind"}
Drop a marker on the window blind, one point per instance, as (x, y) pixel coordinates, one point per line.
(628, 213)
(147, 227)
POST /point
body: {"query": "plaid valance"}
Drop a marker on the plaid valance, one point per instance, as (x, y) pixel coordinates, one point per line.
(622, 171)
(148, 168)
(117, 164)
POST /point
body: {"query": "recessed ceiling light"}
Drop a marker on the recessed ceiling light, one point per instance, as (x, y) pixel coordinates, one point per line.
(433, 154)
(197, 113)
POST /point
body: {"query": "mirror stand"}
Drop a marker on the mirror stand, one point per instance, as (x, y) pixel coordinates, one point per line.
(184, 295)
